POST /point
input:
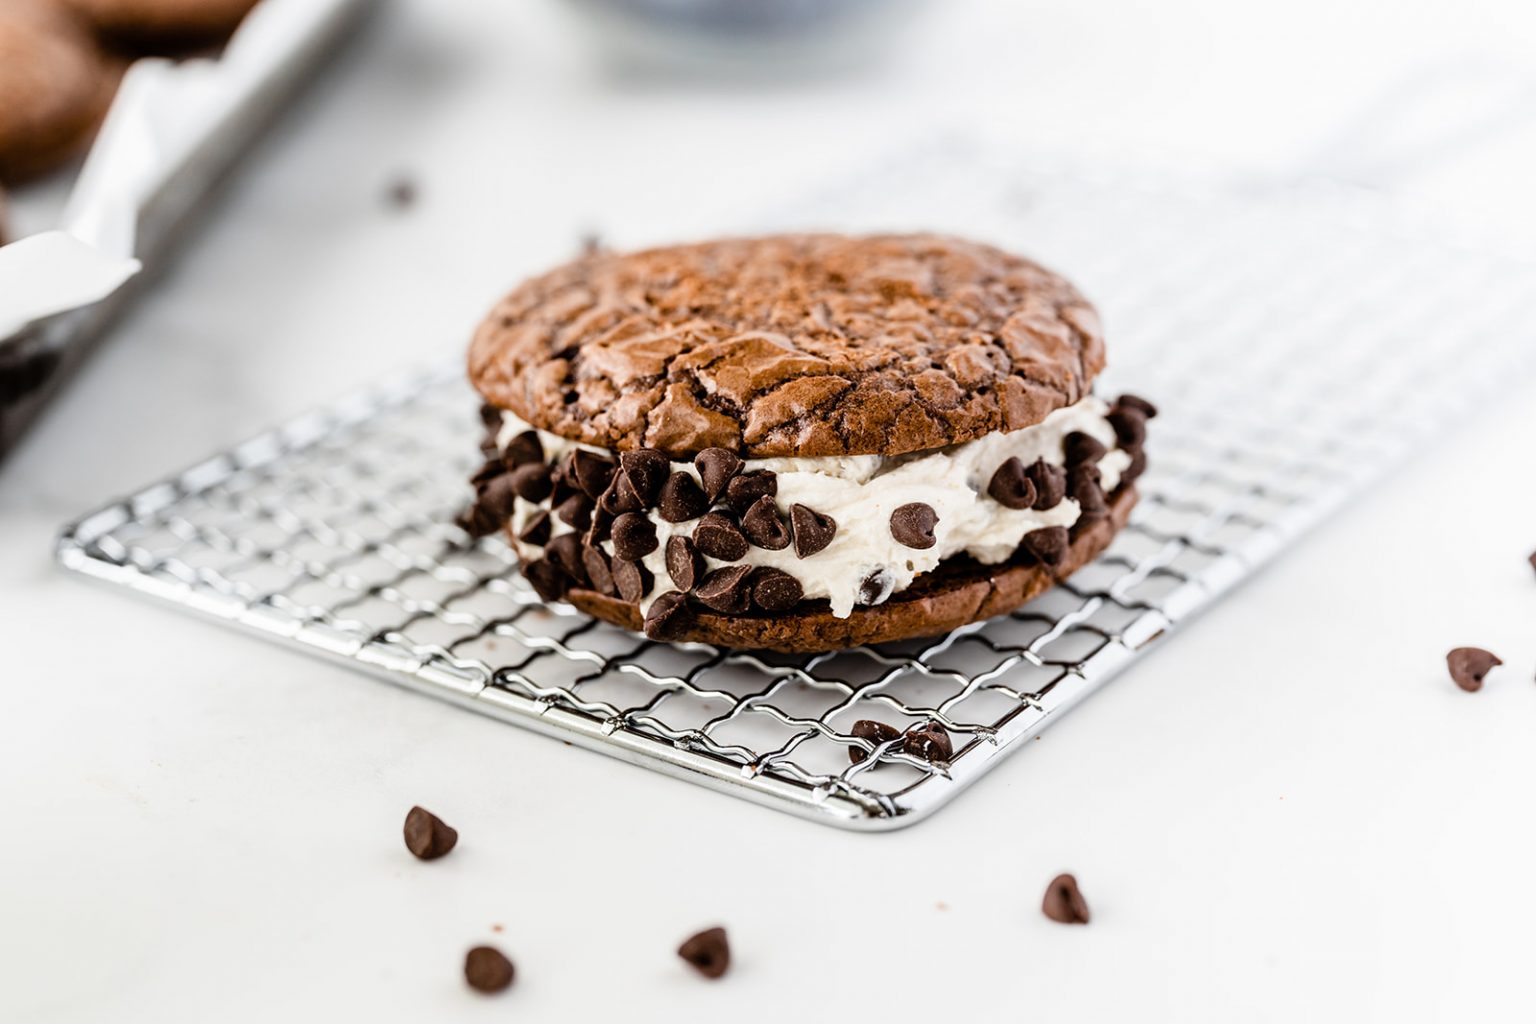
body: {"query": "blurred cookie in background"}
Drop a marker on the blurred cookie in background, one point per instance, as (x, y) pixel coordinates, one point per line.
(55, 87)
(163, 27)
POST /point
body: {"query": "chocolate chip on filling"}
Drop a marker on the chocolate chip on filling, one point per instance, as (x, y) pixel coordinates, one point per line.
(681, 499)
(536, 530)
(725, 590)
(1050, 484)
(684, 563)
(1080, 448)
(646, 470)
(667, 616)
(746, 488)
(547, 578)
(632, 580)
(774, 590)
(716, 467)
(634, 535)
(876, 587)
(522, 450)
(591, 472)
(565, 552)
(812, 530)
(1048, 544)
(718, 536)
(599, 569)
(576, 511)
(763, 527)
(1010, 487)
(912, 525)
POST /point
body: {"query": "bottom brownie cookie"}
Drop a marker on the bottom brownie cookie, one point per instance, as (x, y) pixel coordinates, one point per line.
(959, 592)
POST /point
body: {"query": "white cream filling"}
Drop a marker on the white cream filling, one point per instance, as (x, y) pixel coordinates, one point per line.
(860, 492)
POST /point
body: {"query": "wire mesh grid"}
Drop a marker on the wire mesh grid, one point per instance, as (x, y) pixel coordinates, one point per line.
(1297, 346)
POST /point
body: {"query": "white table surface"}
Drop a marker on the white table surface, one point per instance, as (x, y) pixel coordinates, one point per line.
(1288, 813)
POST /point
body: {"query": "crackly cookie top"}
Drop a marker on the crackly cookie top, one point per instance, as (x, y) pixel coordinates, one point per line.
(810, 345)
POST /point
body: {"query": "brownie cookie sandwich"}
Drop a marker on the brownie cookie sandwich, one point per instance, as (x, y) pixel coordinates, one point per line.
(802, 442)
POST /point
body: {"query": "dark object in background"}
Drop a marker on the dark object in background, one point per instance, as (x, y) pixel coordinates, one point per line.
(402, 193)
(1063, 903)
(427, 836)
(708, 952)
(1468, 666)
(162, 27)
(487, 969)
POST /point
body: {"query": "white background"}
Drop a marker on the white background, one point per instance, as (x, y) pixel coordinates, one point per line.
(1288, 813)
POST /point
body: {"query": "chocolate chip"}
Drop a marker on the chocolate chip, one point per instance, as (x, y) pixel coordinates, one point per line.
(1048, 544)
(565, 552)
(532, 482)
(620, 497)
(634, 535)
(667, 617)
(708, 952)
(1141, 405)
(929, 742)
(1083, 485)
(875, 732)
(490, 416)
(478, 521)
(763, 526)
(599, 570)
(725, 590)
(536, 530)
(1130, 426)
(576, 511)
(1050, 484)
(684, 563)
(1532, 559)
(601, 527)
(632, 579)
(812, 530)
(591, 472)
(745, 489)
(1010, 488)
(427, 836)
(523, 449)
(487, 970)
(488, 471)
(774, 590)
(548, 579)
(1063, 902)
(1469, 665)
(718, 536)
(681, 499)
(913, 525)
(1080, 447)
(876, 587)
(564, 483)
(1138, 466)
(646, 469)
(716, 466)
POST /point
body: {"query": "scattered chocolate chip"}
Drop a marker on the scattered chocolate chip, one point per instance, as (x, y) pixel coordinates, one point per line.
(427, 836)
(591, 472)
(565, 552)
(913, 525)
(812, 530)
(684, 563)
(667, 616)
(1079, 448)
(532, 482)
(1141, 405)
(716, 466)
(1130, 426)
(875, 732)
(708, 952)
(488, 471)
(549, 581)
(929, 742)
(536, 530)
(523, 449)
(1138, 466)
(497, 497)
(646, 469)
(1083, 485)
(632, 579)
(681, 499)
(746, 488)
(876, 587)
(763, 527)
(487, 970)
(718, 536)
(599, 569)
(634, 535)
(725, 590)
(576, 511)
(1050, 484)
(1063, 902)
(774, 590)
(1469, 665)
(1048, 544)
(620, 497)
(1010, 488)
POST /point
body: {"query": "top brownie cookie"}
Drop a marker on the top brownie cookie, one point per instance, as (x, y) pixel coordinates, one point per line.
(792, 345)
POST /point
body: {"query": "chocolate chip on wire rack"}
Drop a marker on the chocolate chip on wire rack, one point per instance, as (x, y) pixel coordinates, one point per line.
(1010, 488)
(709, 952)
(536, 529)
(745, 489)
(1050, 484)
(667, 616)
(774, 590)
(487, 969)
(684, 563)
(812, 530)
(716, 467)
(427, 836)
(1063, 901)
(725, 590)
(912, 524)
(631, 579)
(634, 535)
(681, 499)
(1468, 666)
(718, 536)
(763, 527)
(929, 742)
(1048, 544)
(875, 732)
(645, 469)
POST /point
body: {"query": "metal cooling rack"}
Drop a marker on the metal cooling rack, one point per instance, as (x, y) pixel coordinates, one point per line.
(1298, 349)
